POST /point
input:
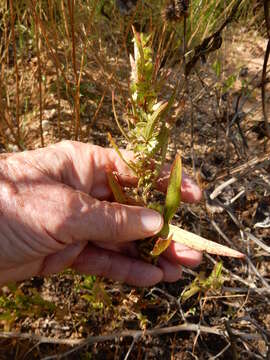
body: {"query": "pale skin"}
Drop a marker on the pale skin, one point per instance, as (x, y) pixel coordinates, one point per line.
(56, 213)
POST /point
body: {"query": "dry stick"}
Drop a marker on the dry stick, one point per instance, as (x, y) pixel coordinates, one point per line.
(77, 92)
(169, 297)
(57, 70)
(55, 56)
(218, 190)
(16, 69)
(91, 17)
(5, 116)
(127, 333)
(116, 119)
(92, 123)
(129, 25)
(233, 339)
(217, 228)
(135, 339)
(52, 53)
(256, 161)
(241, 227)
(266, 58)
(154, 332)
(217, 356)
(63, 8)
(112, 78)
(39, 80)
(190, 98)
(238, 290)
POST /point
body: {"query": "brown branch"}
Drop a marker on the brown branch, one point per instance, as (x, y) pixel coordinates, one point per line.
(16, 68)
(39, 80)
(77, 92)
(127, 333)
(242, 170)
(264, 71)
(263, 90)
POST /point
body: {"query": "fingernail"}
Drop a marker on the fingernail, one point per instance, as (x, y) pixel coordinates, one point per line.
(152, 221)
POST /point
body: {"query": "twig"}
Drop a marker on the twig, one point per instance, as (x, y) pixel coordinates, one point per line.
(238, 290)
(153, 332)
(39, 80)
(40, 339)
(135, 339)
(252, 237)
(76, 96)
(241, 227)
(248, 234)
(170, 297)
(237, 196)
(257, 161)
(16, 69)
(190, 98)
(221, 187)
(92, 122)
(266, 58)
(116, 119)
(221, 352)
(232, 338)
(127, 333)
(263, 90)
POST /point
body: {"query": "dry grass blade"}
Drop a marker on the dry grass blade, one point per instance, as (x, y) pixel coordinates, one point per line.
(199, 243)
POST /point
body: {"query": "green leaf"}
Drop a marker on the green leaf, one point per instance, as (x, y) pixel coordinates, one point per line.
(113, 144)
(202, 284)
(116, 119)
(156, 206)
(153, 120)
(190, 291)
(173, 195)
(116, 188)
(6, 316)
(138, 47)
(160, 246)
(217, 68)
(163, 138)
(229, 82)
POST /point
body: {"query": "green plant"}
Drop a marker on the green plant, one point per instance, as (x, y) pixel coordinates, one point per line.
(19, 305)
(148, 136)
(201, 284)
(96, 294)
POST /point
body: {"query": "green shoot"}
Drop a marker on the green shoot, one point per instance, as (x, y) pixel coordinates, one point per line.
(202, 285)
(148, 136)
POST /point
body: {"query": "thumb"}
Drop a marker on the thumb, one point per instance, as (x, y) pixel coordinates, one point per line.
(84, 218)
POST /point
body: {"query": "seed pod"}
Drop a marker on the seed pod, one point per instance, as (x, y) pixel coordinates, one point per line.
(176, 10)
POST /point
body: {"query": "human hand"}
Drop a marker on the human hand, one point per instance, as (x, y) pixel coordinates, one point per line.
(55, 213)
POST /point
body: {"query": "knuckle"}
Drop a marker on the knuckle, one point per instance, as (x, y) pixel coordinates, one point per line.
(69, 145)
(117, 221)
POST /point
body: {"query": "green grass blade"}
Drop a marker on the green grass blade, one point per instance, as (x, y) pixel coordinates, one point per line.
(173, 196)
